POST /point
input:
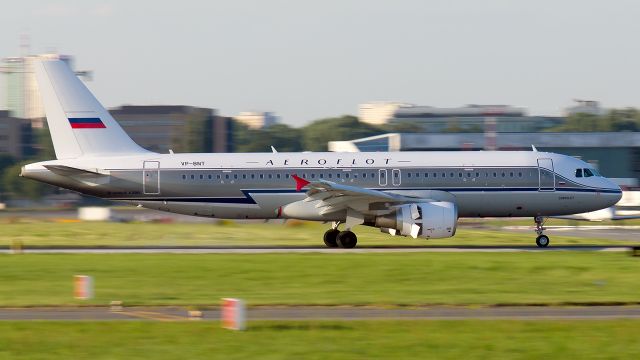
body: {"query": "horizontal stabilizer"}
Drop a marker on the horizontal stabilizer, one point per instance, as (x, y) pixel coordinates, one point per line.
(71, 171)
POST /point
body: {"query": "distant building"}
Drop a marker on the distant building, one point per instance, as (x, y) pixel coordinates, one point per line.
(22, 95)
(379, 112)
(16, 136)
(473, 118)
(470, 118)
(178, 128)
(585, 107)
(257, 120)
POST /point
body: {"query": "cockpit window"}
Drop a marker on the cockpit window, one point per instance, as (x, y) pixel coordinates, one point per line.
(588, 173)
(578, 173)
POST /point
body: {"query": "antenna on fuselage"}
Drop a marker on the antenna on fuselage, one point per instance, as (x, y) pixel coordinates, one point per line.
(534, 148)
(273, 149)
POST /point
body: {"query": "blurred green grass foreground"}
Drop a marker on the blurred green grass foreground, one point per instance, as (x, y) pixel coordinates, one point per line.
(326, 340)
(540, 277)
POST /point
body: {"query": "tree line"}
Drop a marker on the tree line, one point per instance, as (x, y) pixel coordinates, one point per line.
(311, 137)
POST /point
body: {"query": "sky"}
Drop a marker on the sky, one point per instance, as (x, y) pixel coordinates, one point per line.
(307, 60)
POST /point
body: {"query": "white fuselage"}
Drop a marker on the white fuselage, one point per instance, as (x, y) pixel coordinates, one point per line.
(257, 185)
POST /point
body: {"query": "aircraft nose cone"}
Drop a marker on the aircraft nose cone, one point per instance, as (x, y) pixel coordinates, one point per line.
(611, 198)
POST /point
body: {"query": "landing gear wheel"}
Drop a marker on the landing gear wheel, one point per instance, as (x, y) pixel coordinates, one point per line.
(330, 238)
(542, 241)
(347, 239)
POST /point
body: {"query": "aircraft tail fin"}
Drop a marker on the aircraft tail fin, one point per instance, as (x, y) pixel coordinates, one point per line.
(79, 124)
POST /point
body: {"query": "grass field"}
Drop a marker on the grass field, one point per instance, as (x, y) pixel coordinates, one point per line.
(482, 339)
(380, 279)
(242, 234)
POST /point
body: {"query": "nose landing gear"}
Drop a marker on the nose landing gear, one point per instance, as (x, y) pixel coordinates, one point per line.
(542, 240)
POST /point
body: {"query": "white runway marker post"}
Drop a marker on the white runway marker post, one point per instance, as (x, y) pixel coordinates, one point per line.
(233, 314)
(82, 287)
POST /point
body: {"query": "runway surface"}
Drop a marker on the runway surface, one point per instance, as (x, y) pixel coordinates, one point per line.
(307, 249)
(328, 313)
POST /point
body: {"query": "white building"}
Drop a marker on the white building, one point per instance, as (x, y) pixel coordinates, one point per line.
(257, 120)
(379, 112)
(585, 107)
(22, 95)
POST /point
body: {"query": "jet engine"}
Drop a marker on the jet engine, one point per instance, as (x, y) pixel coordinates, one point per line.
(426, 220)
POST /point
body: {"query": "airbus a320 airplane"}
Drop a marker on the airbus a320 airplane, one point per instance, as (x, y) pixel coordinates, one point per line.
(418, 194)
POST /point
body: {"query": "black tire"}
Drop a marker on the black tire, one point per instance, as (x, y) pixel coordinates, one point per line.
(330, 238)
(347, 239)
(542, 241)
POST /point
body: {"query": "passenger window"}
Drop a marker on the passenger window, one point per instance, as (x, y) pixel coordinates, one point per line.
(477, 174)
(184, 177)
(511, 174)
(520, 174)
(364, 175)
(578, 173)
(261, 176)
(286, 176)
(587, 173)
(450, 174)
(218, 176)
(346, 175)
(235, 176)
(270, 176)
(495, 174)
(201, 176)
(226, 176)
(330, 176)
(321, 176)
(244, 176)
(408, 175)
(503, 174)
(278, 176)
(426, 175)
(313, 176)
(338, 175)
(253, 176)
(417, 174)
(193, 177)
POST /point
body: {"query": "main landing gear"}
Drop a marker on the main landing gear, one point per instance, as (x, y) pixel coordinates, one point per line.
(542, 240)
(334, 238)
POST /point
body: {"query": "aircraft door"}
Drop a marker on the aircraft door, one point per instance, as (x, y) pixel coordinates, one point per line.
(397, 177)
(382, 177)
(546, 175)
(151, 177)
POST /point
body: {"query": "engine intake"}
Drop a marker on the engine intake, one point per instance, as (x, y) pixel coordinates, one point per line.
(426, 220)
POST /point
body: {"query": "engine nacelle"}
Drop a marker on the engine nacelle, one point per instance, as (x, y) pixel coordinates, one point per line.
(426, 220)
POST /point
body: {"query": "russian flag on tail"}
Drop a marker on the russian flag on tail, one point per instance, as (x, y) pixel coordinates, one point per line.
(86, 123)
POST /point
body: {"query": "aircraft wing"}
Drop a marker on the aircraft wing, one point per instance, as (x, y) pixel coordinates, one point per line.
(332, 197)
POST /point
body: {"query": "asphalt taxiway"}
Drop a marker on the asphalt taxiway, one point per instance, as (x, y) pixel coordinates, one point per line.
(172, 313)
(308, 249)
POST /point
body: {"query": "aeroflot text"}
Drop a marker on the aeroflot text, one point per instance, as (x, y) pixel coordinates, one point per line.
(324, 162)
